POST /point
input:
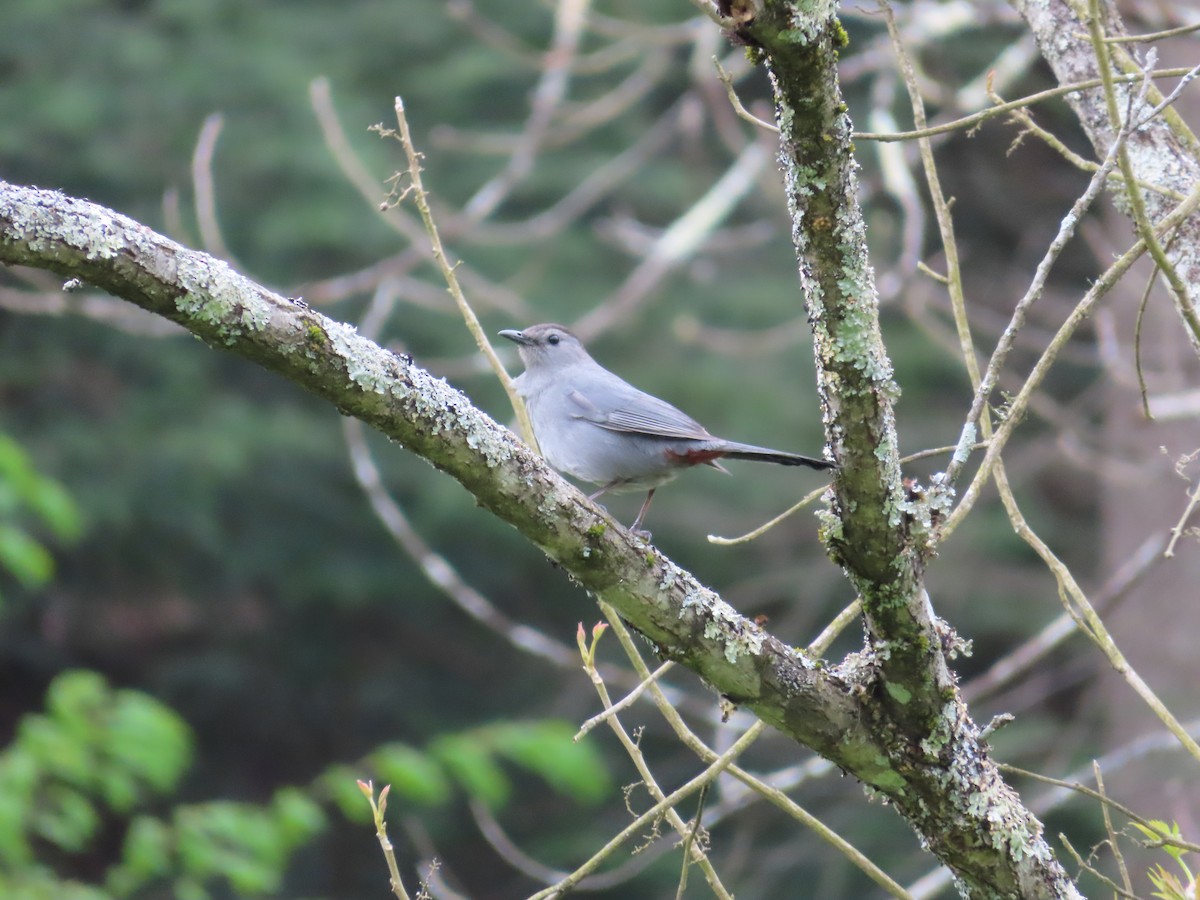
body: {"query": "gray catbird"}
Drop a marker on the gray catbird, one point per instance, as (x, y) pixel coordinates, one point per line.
(600, 429)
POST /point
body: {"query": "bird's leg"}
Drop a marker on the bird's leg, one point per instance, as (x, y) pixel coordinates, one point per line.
(642, 514)
(611, 484)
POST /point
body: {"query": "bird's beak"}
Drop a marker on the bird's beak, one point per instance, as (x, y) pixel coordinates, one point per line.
(517, 337)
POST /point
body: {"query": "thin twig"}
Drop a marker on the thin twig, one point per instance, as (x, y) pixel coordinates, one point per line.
(1092, 870)
(975, 118)
(1072, 784)
(984, 388)
(954, 285)
(1108, 828)
(626, 701)
(665, 806)
(417, 188)
(756, 785)
(829, 633)
(1180, 292)
(1137, 344)
(736, 102)
(1180, 527)
(1077, 317)
(1152, 36)
(204, 187)
(633, 750)
(320, 96)
(690, 839)
(814, 495)
(378, 811)
(1077, 605)
(758, 532)
(1033, 650)
(1029, 126)
(708, 9)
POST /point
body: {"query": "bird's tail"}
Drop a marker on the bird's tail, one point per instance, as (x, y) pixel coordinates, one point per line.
(732, 450)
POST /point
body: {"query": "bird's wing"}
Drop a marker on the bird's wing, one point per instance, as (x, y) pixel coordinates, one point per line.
(634, 411)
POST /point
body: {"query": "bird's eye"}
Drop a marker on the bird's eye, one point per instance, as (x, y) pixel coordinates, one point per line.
(552, 339)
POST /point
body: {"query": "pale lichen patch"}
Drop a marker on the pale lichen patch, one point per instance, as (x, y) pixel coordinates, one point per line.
(220, 299)
(727, 625)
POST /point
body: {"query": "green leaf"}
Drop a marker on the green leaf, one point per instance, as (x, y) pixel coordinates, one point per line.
(64, 816)
(298, 816)
(27, 560)
(342, 784)
(23, 485)
(148, 741)
(10, 500)
(19, 774)
(40, 884)
(148, 846)
(57, 752)
(146, 855)
(77, 699)
(120, 788)
(54, 506)
(235, 841)
(470, 761)
(548, 750)
(414, 775)
(75, 693)
(15, 467)
(190, 889)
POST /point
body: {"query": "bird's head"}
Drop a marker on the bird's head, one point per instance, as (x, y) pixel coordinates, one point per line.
(547, 347)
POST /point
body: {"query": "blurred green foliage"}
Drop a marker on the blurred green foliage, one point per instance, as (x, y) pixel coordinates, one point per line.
(27, 494)
(93, 753)
(84, 773)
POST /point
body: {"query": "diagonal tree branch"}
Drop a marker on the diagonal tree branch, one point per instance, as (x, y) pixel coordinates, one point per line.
(688, 622)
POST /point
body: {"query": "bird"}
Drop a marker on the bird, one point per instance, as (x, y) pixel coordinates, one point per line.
(598, 428)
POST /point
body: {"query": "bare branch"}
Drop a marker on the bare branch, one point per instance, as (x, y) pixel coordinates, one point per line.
(204, 186)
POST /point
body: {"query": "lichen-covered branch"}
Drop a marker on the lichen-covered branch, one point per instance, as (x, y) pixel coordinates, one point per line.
(869, 528)
(952, 792)
(686, 621)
